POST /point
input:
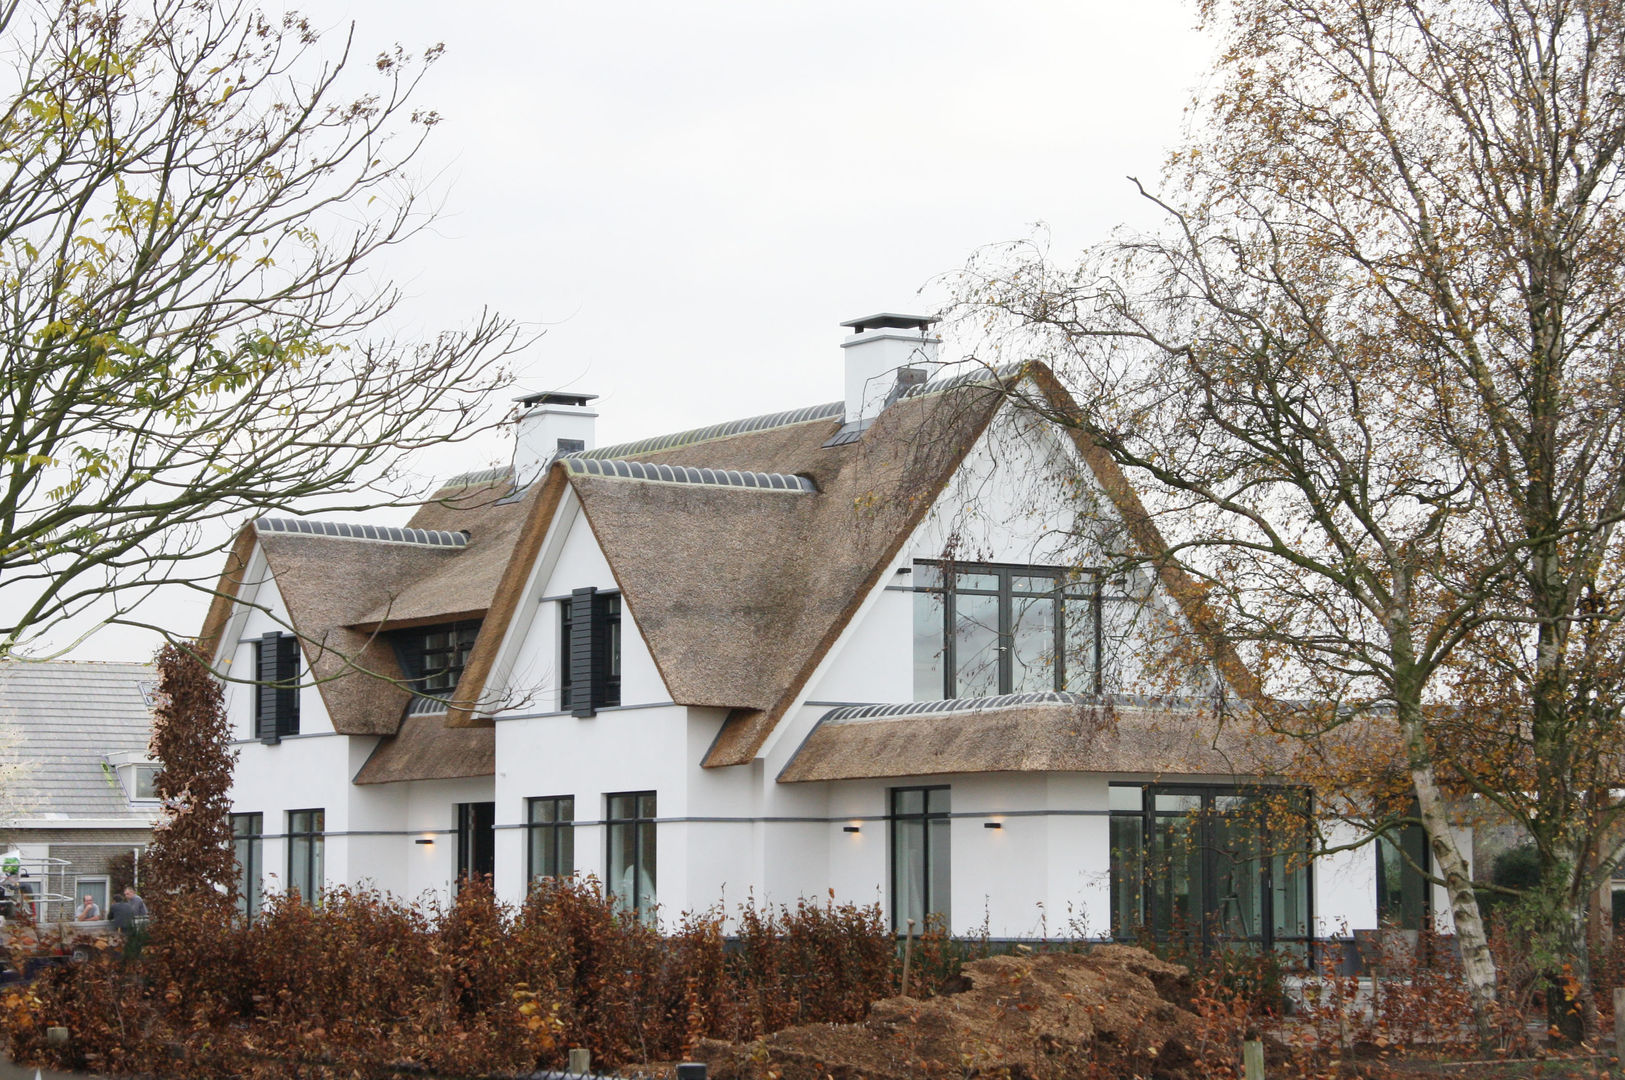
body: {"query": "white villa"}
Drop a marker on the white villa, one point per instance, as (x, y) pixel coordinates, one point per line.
(862, 649)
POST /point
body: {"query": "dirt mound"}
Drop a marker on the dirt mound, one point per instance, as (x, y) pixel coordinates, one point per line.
(1114, 1009)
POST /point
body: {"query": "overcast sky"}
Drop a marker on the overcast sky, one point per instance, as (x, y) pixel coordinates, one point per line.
(690, 198)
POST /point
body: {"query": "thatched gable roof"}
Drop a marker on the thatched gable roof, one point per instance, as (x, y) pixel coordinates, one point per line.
(739, 592)
(1034, 733)
(343, 591)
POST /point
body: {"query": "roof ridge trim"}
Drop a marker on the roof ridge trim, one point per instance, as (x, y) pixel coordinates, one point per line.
(344, 530)
(832, 410)
(661, 473)
(479, 476)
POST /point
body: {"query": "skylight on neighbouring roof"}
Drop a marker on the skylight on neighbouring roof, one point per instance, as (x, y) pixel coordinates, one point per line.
(685, 474)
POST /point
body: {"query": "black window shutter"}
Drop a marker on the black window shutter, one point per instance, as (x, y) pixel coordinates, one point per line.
(287, 695)
(265, 692)
(583, 679)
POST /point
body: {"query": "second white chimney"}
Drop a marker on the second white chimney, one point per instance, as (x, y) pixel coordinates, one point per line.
(878, 350)
(552, 424)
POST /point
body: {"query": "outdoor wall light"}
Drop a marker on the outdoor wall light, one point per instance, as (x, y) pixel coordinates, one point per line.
(851, 828)
(992, 824)
(424, 840)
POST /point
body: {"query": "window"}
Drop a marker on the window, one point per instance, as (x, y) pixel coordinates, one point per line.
(1210, 866)
(143, 777)
(983, 629)
(305, 828)
(95, 888)
(433, 657)
(590, 651)
(630, 817)
(246, 841)
(919, 856)
(476, 839)
(550, 828)
(1402, 885)
(276, 675)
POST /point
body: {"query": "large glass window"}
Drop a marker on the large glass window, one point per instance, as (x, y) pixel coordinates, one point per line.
(1402, 885)
(1210, 866)
(305, 831)
(920, 862)
(630, 819)
(983, 629)
(550, 825)
(246, 840)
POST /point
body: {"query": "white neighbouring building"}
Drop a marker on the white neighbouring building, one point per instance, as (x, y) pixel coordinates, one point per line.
(864, 648)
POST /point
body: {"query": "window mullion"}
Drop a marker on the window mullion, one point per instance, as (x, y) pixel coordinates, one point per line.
(1006, 639)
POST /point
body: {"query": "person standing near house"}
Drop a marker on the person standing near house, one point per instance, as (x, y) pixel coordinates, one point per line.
(89, 911)
(138, 906)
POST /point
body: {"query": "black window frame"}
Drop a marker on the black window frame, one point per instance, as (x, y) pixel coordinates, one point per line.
(1410, 852)
(555, 836)
(416, 655)
(476, 839)
(248, 846)
(1205, 937)
(924, 820)
(589, 651)
(312, 839)
(276, 686)
(642, 822)
(1073, 587)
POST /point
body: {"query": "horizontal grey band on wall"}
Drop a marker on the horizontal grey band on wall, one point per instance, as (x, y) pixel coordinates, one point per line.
(601, 708)
(844, 819)
(290, 738)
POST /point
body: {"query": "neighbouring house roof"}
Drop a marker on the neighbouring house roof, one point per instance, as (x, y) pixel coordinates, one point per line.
(742, 550)
(1050, 732)
(66, 721)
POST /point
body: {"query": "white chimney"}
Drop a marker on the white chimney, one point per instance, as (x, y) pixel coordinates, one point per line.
(881, 350)
(551, 424)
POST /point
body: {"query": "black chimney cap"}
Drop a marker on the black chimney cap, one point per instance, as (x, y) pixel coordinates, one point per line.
(887, 320)
(554, 397)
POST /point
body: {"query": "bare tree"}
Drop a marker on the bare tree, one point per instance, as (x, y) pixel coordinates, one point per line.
(192, 194)
(1371, 378)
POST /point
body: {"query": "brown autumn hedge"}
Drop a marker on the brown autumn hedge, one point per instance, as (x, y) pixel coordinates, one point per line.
(365, 983)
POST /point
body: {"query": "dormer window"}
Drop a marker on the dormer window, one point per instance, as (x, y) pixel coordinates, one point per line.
(136, 776)
(433, 657)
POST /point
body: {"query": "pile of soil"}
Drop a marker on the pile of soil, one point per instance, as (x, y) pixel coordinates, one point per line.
(1113, 1011)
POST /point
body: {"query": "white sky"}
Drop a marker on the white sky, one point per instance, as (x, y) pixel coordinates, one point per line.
(691, 197)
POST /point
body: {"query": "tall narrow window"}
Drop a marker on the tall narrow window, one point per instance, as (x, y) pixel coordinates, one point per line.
(590, 652)
(920, 862)
(982, 629)
(550, 825)
(276, 675)
(1402, 884)
(305, 832)
(246, 841)
(630, 818)
(476, 839)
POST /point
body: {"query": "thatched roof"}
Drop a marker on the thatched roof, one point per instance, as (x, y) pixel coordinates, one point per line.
(739, 589)
(426, 749)
(1034, 733)
(739, 592)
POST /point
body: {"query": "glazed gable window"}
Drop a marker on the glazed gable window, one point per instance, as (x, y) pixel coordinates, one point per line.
(589, 651)
(983, 629)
